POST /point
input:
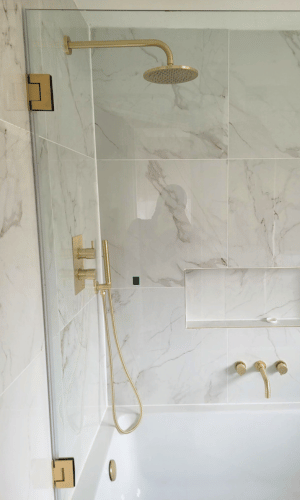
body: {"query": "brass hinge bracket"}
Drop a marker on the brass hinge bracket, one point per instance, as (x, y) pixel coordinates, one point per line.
(63, 472)
(39, 92)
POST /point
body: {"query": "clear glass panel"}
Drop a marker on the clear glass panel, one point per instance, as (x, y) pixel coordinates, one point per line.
(204, 174)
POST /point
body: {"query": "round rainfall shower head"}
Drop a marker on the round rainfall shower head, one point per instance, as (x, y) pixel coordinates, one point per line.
(171, 74)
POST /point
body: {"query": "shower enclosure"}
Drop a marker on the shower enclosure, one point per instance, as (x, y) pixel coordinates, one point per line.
(195, 186)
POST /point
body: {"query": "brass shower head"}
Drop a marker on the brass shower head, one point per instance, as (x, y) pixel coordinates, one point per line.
(171, 74)
(163, 74)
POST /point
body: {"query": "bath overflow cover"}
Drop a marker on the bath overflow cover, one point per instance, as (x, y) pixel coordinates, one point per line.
(112, 470)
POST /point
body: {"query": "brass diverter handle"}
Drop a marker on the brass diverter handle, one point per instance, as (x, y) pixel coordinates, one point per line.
(87, 253)
(281, 367)
(240, 367)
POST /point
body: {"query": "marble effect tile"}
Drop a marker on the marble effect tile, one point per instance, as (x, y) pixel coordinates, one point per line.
(251, 221)
(287, 213)
(269, 345)
(242, 294)
(22, 329)
(264, 98)
(135, 119)
(71, 123)
(25, 458)
(169, 364)
(75, 211)
(82, 407)
(161, 217)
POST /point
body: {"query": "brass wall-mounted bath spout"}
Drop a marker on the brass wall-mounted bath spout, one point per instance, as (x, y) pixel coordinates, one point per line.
(261, 367)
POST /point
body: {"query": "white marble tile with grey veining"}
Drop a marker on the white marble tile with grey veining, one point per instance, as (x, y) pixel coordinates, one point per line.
(264, 80)
(25, 435)
(216, 295)
(161, 217)
(169, 364)
(251, 195)
(287, 213)
(138, 119)
(270, 346)
(75, 212)
(13, 99)
(71, 124)
(22, 328)
(82, 407)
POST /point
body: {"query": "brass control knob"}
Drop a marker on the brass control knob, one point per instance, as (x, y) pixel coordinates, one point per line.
(240, 367)
(281, 367)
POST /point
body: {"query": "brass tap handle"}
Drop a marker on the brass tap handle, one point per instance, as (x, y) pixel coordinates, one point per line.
(240, 367)
(261, 367)
(86, 274)
(87, 253)
(281, 367)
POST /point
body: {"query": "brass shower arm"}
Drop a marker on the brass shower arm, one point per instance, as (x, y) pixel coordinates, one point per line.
(69, 46)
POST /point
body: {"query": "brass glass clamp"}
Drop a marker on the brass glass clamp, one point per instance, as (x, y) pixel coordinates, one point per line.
(87, 253)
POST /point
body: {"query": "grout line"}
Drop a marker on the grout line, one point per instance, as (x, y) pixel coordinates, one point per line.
(194, 159)
(24, 369)
(205, 405)
(16, 126)
(65, 147)
(78, 312)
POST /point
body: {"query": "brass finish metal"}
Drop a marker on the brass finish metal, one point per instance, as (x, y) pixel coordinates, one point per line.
(86, 274)
(112, 470)
(68, 45)
(77, 244)
(87, 253)
(106, 289)
(169, 74)
(240, 367)
(39, 92)
(281, 367)
(63, 473)
(261, 367)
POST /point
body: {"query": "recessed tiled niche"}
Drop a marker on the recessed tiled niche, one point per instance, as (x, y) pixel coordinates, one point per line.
(240, 298)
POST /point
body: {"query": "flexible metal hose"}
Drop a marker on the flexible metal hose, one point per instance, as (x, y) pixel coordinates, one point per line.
(111, 368)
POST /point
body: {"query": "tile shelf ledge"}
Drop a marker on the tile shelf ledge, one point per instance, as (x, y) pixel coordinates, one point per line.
(242, 323)
(242, 298)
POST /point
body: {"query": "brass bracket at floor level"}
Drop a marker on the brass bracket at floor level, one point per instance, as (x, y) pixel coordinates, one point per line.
(39, 92)
(63, 473)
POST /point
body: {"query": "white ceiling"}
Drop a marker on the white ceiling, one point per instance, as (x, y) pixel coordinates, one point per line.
(189, 4)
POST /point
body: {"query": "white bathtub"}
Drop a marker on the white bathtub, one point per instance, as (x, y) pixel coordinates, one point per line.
(199, 453)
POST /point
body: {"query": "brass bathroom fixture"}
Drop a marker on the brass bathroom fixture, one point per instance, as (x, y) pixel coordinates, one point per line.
(39, 92)
(261, 367)
(112, 470)
(106, 289)
(240, 367)
(169, 74)
(63, 473)
(281, 367)
(80, 253)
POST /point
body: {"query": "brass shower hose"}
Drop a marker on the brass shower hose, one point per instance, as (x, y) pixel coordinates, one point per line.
(111, 368)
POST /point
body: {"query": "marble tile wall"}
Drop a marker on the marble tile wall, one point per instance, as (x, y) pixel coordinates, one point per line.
(200, 175)
(24, 406)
